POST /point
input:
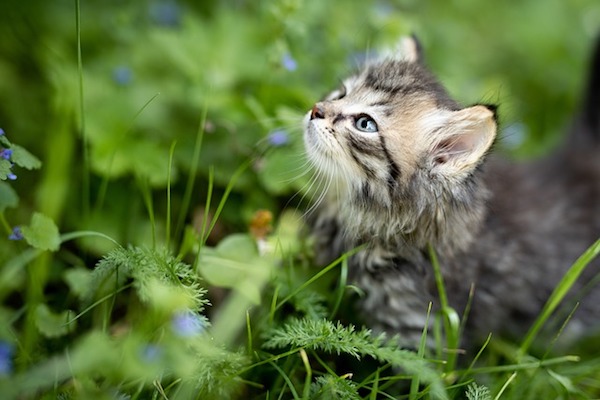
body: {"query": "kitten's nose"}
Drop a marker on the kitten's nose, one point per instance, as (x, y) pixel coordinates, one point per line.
(317, 112)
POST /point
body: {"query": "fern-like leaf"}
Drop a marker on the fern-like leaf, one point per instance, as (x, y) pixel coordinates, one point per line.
(478, 392)
(145, 267)
(333, 387)
(324, 335)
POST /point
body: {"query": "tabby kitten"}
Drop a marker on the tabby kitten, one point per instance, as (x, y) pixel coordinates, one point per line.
(407, 166)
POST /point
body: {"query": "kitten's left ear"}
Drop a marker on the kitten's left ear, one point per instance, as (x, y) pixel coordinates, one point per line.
(409, 49)
(463, 141)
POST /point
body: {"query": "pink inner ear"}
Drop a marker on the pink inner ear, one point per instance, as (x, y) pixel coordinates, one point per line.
(457, 145)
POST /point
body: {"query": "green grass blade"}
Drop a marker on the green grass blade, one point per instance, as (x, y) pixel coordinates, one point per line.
(187, 195)
(505, 386)
(415, 382)
(451, 320)
(341, 288)
(287, 380)
(318, 275)
(168, 222)
(524, 366)
(308, 378)
(249, 333)
(559, 294)
(85, 144)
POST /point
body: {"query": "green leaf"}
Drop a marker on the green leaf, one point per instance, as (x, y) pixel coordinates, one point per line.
(235, 263)
(51, 324)
(238, 247)
(4, 141)
(24, 159)
(4, 169)
(8, 197)
(42, 233)
(79, 281)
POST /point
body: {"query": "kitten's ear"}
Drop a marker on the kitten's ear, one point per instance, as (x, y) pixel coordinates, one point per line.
(409, 49)
(464, 140)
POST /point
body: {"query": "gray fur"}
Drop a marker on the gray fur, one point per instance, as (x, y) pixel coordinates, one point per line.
(511, 230)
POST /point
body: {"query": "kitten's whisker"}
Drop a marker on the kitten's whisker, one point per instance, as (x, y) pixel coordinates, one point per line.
(305, 189)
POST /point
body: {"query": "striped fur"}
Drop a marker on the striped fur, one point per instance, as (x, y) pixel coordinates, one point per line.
(422, 178)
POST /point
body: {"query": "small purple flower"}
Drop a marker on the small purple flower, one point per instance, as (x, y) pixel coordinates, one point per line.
(166, 13)
(278, 138)
(122, 75)
(6, 353)
(6, 154)
(16, 234)
(1, 132)
(288, 62)
(11, 176)
(188, 324)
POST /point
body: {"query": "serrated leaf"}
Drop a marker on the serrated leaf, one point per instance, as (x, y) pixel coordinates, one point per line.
(23, 158)
(477, 392)
(8, 197)
(51, 324)
(42, 233)
(334, 387)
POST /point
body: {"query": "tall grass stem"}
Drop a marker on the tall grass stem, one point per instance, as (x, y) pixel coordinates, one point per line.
(559, 293)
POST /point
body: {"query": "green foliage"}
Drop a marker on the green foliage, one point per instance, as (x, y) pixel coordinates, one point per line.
(477, 392)
(42, 233)
(333, 387)
(51, 324)
(159, 279)
(235, 263)
(17, 156)
(170, 105)
(324, 335)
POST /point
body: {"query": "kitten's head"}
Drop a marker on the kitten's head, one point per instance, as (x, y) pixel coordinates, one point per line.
(392, 135)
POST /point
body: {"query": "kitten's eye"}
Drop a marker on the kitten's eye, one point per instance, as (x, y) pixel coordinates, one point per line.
(365, 123)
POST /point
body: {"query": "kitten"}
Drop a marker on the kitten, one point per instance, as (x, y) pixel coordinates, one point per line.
(405, 165)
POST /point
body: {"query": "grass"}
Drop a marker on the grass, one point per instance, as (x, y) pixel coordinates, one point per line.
(150, 276)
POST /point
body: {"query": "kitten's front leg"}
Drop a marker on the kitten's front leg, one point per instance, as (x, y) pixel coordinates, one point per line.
(397, 294)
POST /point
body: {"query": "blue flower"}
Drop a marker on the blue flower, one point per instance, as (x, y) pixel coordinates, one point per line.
(122, 75)
(288, 62)
(188, 323)
(6, 353)
(278, 138)
(16, 234)
(1, 132)
(6, 154)
(11, 176)
(166, 13)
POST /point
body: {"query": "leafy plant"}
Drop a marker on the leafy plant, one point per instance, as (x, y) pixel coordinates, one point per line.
(157, 253)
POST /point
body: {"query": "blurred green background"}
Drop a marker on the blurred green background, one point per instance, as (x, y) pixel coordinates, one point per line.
(153, 72)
